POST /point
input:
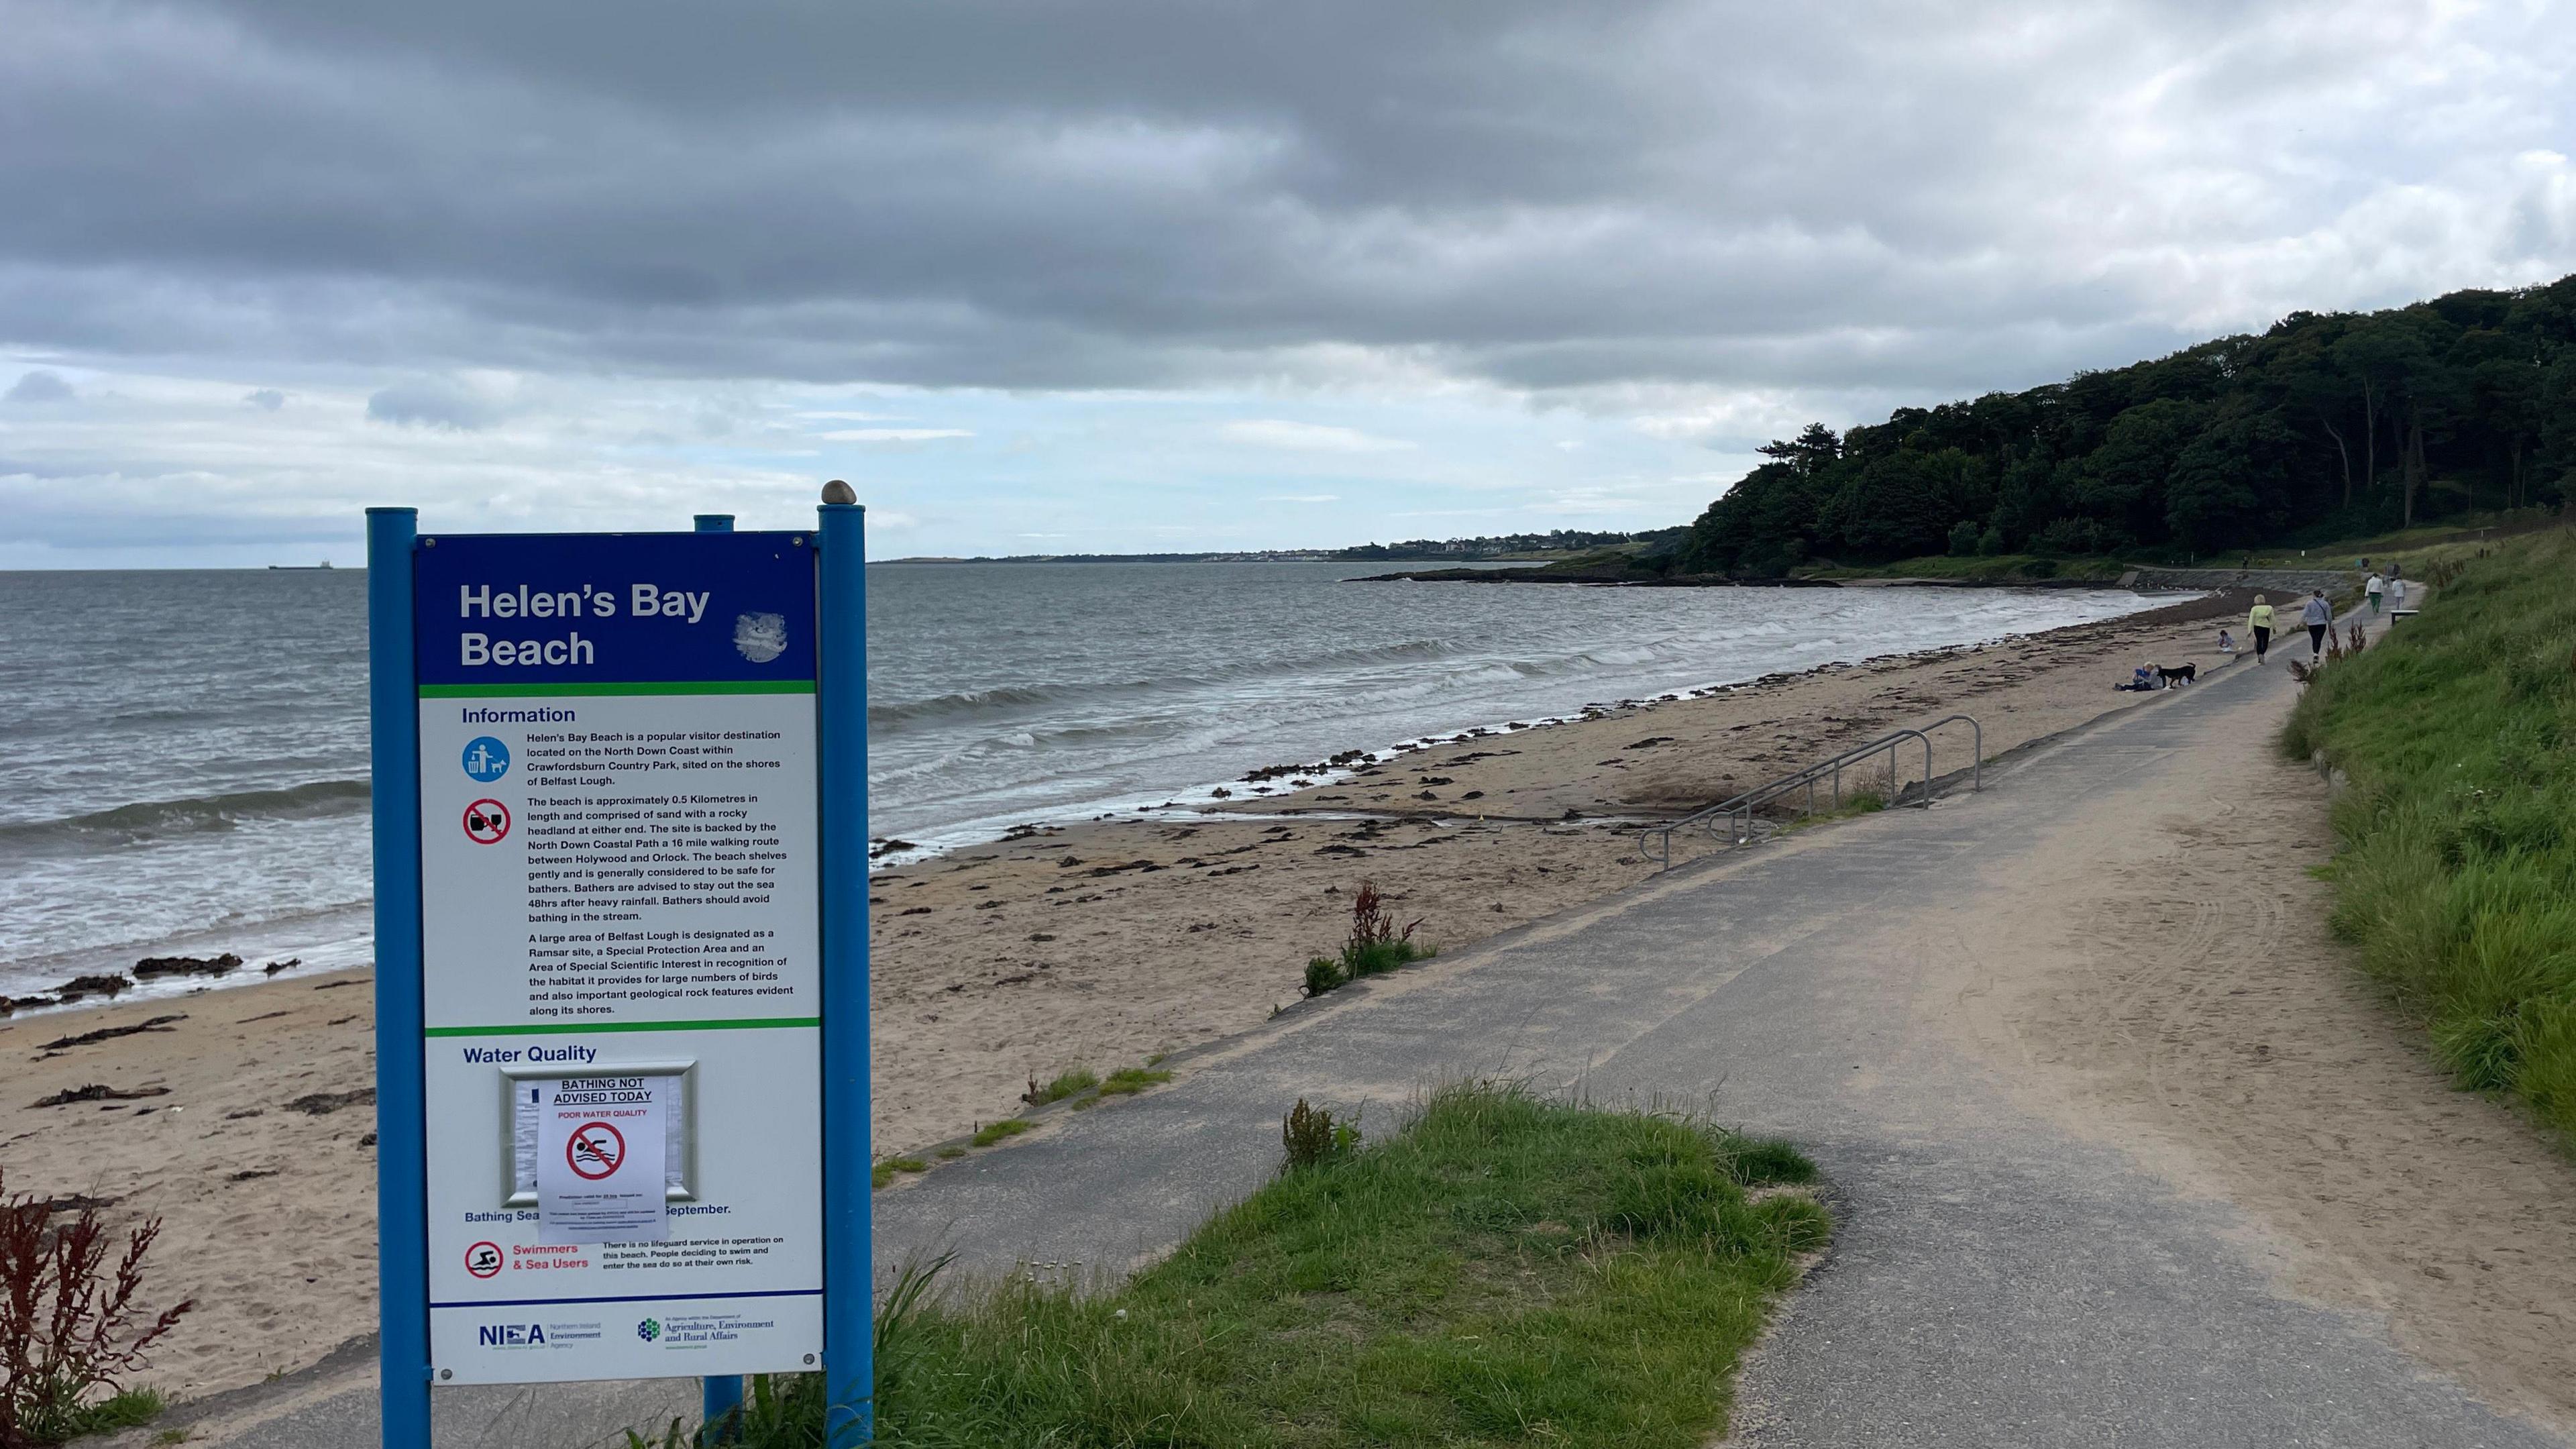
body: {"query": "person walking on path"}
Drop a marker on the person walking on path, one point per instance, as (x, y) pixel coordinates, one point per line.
(2374, 588)
(2319, 617)
(2258, 622)
(2396, 590)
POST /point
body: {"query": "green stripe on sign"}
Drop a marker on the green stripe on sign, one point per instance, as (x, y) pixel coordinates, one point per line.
(753, 1023)
(683, 686)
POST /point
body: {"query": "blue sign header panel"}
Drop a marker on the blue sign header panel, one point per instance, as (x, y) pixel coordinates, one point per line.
(511, 610)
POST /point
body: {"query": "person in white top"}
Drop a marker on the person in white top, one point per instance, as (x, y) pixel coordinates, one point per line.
(2396, 590)
(2374, 589)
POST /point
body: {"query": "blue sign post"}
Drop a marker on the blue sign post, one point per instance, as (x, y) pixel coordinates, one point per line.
(621, 859)
(848, 1247)
(402, 1200)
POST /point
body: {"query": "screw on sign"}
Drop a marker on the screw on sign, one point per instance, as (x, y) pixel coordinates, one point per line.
(595, 1150)
(486, 821)
(483, 1260)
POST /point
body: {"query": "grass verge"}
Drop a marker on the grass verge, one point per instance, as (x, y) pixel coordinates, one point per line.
(1504, 1271)
(2456, 873)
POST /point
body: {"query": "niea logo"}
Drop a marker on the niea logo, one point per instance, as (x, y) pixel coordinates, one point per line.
(511, 1335)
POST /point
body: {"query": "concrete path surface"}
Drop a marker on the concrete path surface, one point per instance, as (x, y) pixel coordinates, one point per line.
(1996, 1280)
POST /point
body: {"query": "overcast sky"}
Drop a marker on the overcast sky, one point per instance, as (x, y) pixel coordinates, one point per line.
(1125, 276)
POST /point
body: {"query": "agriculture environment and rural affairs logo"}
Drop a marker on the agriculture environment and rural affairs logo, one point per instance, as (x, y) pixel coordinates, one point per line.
(649, 1330)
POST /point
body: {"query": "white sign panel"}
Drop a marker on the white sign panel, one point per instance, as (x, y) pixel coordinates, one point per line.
(620, 935)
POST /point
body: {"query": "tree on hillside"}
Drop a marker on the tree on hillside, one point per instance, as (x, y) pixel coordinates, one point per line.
(2345, 420)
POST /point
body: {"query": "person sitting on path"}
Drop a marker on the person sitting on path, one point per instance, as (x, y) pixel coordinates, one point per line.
(2374, 588)
(2319, 617)
(2258, 622)
(2226, 642)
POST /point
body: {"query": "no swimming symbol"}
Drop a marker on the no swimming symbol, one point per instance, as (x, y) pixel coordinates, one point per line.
(595, 1150)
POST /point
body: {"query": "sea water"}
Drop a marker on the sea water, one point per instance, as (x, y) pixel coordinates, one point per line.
(183, 754)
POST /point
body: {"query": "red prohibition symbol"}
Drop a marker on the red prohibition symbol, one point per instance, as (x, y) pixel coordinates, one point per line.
(486, 821)
(595, 1150)
(483, 1260)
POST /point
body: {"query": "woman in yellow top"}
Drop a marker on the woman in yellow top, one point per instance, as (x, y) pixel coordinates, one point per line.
(2258, 622)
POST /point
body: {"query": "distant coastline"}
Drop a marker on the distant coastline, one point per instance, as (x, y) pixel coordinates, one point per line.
(1604, 579)
(1555, 544)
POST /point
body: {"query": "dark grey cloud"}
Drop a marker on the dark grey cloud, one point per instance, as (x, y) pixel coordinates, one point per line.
(1123, 193)
(39, 386)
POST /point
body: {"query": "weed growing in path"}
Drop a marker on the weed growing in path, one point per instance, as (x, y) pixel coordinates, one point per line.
(1127, 1081)
(1066, 1084)
(1375, 945)
(884, 1171)
(992, 1132)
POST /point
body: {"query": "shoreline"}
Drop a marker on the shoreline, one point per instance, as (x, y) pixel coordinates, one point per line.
(1204, 798)
(1095, 945)
(1194, 803)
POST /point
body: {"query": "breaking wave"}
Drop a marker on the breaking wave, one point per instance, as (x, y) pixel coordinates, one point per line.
(150, 819)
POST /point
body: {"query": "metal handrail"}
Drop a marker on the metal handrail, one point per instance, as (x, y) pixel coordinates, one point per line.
(1738, 812)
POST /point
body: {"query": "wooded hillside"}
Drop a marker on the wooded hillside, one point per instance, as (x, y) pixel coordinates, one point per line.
(2333, 424)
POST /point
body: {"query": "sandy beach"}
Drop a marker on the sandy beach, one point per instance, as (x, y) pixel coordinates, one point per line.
(1096, 945)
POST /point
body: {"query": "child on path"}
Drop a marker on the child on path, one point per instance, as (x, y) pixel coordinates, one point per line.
(2374, 589)
(2319, 617)
(2396, 590)
(2258, 622)
(2226, 642)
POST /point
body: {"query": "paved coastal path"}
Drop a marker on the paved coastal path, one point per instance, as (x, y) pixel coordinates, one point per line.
(2071, 1052)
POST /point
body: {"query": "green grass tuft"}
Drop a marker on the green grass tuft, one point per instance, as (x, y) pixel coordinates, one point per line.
(1080, 1079)
(992, 1132)
(64, 1418)
(884, 1171)
(2456, 872)
(1504, 1271)
(1126, 1081)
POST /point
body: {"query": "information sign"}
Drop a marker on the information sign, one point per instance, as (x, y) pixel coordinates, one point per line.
(619, 914)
